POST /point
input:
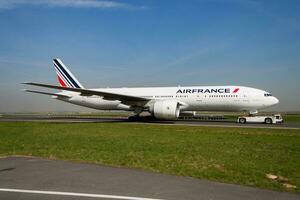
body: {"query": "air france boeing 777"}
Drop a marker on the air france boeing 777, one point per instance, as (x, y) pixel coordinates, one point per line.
(162, 102)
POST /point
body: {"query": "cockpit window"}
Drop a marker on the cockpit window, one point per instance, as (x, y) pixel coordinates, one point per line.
(268, 94)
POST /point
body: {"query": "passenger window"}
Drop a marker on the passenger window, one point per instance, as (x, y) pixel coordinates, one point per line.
(267, 95)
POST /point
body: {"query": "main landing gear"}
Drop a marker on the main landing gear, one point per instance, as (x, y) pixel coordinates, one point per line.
(139, 118)
(134, 118)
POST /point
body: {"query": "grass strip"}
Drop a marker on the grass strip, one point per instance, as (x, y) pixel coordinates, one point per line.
(232, 155)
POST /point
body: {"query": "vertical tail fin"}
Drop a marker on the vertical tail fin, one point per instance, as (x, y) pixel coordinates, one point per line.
(65, 76)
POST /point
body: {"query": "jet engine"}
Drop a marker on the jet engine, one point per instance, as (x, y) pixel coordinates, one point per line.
(187, 114)
(165, 109)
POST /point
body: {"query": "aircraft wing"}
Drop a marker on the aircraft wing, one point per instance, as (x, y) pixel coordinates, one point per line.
(127, 99)
(48, 93)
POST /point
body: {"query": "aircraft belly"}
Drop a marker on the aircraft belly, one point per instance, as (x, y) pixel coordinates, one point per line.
(98, 103)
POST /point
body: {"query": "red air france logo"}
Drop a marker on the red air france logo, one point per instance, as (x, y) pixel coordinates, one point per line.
(236, 90)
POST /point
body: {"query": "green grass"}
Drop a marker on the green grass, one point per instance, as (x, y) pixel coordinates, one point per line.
(232, 155)
(291, 118)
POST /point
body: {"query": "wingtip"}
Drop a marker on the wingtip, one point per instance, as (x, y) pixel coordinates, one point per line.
(26, 83)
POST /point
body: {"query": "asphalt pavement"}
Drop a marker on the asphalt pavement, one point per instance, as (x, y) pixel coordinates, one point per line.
(35, 178)
(212, 123)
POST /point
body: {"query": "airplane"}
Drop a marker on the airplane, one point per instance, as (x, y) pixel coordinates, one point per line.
(163, 103)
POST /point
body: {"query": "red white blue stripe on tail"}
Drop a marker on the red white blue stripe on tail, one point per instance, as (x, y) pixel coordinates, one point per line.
(65, 76)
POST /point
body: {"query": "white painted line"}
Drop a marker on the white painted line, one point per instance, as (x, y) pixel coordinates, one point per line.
(74, 194)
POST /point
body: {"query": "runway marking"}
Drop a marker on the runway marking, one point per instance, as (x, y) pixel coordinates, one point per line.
(75, 194)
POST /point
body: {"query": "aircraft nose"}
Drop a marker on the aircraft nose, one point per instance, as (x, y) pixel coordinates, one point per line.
(275, 100)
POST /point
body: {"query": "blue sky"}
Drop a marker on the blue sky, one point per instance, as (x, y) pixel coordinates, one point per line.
(149, 43)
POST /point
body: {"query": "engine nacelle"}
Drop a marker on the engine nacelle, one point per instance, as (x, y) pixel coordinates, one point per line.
(166, 109)
(187, 114)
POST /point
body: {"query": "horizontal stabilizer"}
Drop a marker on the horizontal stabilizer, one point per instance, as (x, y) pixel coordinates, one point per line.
(87, 92)
(47, 93)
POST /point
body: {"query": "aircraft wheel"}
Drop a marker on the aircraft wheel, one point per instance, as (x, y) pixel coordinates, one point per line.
(133, 118)
(268, 121)
(242, 120)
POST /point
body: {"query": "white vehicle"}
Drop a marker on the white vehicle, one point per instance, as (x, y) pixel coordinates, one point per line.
(162, 102)
(271, 119)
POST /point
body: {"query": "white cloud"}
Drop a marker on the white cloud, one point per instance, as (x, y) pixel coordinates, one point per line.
(100, 4)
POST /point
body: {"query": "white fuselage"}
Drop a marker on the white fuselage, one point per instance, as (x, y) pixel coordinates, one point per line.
(193, 98)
